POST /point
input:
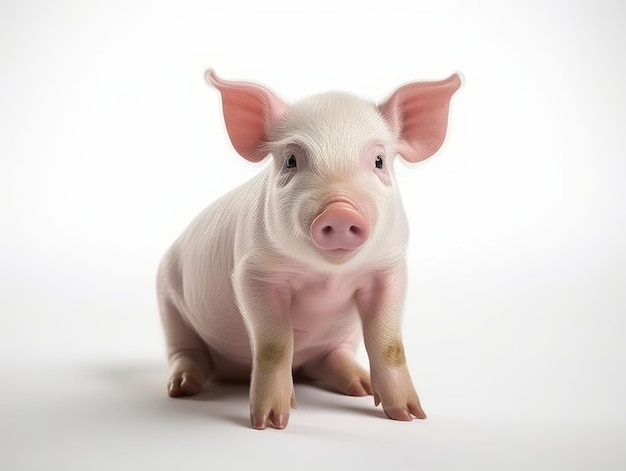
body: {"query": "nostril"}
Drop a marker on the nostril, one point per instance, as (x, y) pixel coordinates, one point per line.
(354, 230)
(339, 227)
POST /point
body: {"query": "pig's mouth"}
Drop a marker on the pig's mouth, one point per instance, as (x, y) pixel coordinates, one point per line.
(339, 229)
(339, 253)
(337, 256)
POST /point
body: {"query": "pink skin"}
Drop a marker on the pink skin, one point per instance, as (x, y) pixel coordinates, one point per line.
(287, 273)
(340, 228)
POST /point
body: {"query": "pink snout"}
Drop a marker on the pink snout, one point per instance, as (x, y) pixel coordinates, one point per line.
(340, 227)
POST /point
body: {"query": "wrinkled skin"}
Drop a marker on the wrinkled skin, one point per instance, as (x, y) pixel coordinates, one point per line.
(287, 273)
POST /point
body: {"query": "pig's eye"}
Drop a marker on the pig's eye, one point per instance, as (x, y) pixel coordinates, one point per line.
(379, 161)
(290, 161)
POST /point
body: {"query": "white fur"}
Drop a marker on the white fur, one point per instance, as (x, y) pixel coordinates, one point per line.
(246, 274)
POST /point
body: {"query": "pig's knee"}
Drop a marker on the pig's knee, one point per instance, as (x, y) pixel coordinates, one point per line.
(272, 355)
(393, 353)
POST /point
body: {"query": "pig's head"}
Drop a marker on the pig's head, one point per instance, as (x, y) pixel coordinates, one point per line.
(331, 195)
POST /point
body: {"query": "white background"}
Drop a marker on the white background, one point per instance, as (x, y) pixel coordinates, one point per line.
(110, 142)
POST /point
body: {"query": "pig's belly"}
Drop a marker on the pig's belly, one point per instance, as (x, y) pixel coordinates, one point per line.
(321, 320)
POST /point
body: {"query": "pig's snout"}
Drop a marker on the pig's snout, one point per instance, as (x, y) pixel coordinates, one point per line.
(339, 228)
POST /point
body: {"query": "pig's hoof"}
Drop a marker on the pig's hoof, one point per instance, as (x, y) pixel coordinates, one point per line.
(277, 420)
(405, 414)
(188, 370)
(353, 381)
(360, 387)
(338, 371)
(184, 385)
(270, 402)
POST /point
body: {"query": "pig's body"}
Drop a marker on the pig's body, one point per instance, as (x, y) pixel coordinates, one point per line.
(289, 271)
(196, 277)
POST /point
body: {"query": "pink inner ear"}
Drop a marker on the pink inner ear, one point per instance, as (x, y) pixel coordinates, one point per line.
(418, 112)
(248, 111)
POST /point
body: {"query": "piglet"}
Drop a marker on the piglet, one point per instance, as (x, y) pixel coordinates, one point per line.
(287, 273)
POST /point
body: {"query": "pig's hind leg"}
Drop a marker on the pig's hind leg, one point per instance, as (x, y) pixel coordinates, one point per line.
(338, 371)
(189, 359)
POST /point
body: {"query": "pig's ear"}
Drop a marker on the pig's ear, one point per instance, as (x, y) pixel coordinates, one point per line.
(249, 110)
(418, 112)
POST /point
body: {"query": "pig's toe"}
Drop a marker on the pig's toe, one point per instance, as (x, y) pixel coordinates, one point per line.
(188, 371)
(405, 414)
(395, 391)
(416, 410)
(278, 420)
(259, 421)
(270, 402)
(355, 381)
(360, 387)
(184, 384)
(338, 371)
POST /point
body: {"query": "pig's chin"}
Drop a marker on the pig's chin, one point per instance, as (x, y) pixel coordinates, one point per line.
(338, 256)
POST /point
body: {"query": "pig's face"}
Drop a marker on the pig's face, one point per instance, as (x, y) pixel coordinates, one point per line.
(331, 196)
(332, 189)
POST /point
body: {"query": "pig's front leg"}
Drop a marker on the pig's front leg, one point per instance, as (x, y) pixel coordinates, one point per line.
(380, 306)
(265, 312)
